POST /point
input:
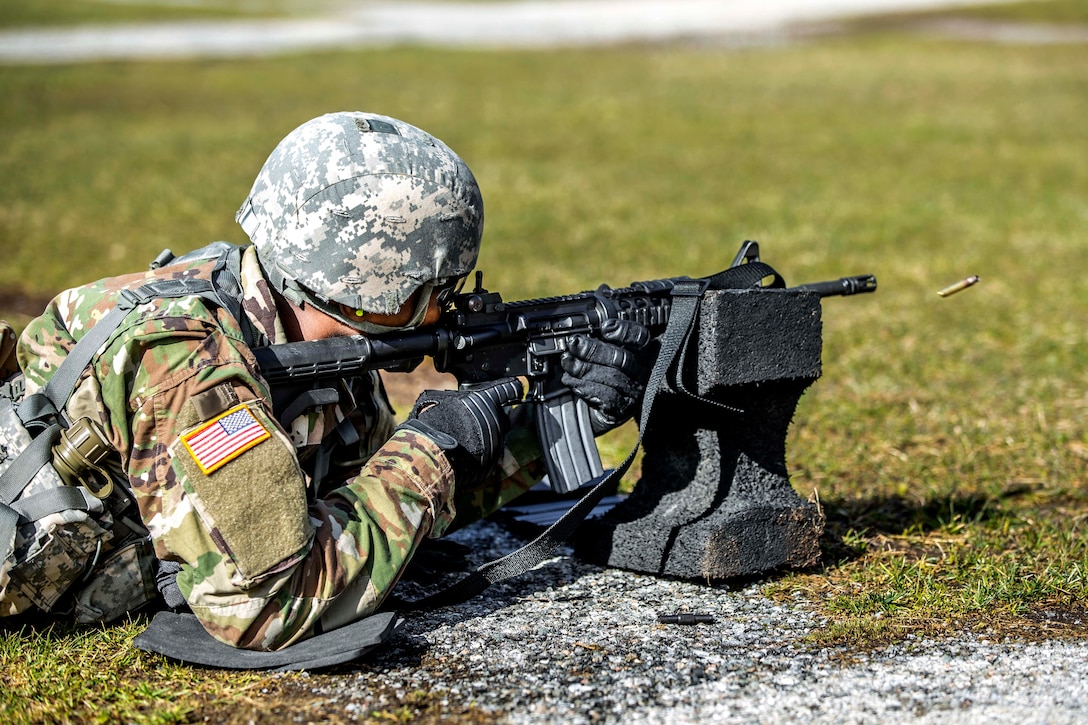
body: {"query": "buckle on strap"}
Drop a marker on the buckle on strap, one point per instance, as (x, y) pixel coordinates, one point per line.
(163, 288)
(13, 389)
(690, 287)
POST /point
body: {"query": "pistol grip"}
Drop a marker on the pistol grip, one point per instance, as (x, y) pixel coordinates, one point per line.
(566, 439)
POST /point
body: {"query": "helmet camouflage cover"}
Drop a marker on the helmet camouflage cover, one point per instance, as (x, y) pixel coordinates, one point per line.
(363, 210)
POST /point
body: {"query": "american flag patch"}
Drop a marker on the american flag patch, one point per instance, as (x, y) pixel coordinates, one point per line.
(224, 438)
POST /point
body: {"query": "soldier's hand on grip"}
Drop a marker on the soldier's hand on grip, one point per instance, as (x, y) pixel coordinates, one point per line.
(609, 374)
(470, 425)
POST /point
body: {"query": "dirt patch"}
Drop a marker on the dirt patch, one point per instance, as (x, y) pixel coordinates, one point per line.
(307, 698)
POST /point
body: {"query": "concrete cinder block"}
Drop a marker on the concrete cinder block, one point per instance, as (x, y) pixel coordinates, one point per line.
(714, 499)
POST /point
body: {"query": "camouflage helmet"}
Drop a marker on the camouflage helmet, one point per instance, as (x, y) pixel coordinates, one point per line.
(363, 210)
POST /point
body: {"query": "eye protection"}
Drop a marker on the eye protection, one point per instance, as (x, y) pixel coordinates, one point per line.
(443, 291)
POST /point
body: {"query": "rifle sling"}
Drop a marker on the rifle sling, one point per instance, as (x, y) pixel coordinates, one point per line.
(685, 306)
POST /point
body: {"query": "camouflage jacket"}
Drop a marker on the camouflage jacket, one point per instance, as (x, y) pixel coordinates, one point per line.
(267, 553)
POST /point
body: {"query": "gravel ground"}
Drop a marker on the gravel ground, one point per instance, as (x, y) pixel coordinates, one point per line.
(575, 643)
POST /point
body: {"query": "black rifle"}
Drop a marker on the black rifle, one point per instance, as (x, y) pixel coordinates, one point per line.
(480, 338)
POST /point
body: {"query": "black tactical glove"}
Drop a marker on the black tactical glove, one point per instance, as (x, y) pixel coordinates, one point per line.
(609, 374)
(469, 425)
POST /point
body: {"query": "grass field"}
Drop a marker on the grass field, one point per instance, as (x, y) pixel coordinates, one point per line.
(946, 441)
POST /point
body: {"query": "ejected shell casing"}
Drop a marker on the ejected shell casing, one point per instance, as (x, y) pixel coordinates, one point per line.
(959, 286)
(685, 618)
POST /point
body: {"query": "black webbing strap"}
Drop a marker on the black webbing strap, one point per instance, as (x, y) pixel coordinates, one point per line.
(731, 278)
(685, 305)
(745, 275)
(306, 400)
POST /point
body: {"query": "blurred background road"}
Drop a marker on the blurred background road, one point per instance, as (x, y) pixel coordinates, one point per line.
(492, 25)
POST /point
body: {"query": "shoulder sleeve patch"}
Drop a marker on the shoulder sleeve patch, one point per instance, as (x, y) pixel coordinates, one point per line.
(224, 438)
(253, 509)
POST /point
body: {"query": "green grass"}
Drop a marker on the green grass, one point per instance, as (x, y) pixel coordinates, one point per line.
(947, 440)
(95, 675)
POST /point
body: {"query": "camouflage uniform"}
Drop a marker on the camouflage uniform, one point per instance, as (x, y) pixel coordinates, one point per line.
(267, 556)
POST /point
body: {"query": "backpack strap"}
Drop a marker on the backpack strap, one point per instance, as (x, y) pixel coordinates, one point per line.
(9, 522)
(224, 290)
(50, 400)
(13, 388)
(27, 463)
(56, 500)
(226, 278)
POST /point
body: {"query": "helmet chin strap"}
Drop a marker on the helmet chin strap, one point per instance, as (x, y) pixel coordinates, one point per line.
(282, 283)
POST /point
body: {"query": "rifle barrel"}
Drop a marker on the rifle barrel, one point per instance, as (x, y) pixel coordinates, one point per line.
(842, 287)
